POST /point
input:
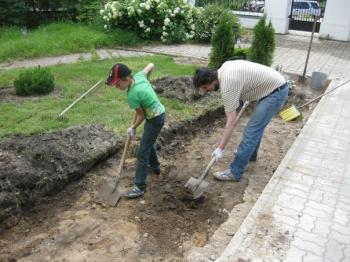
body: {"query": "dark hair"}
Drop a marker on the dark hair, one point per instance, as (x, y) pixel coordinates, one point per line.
(204, 76)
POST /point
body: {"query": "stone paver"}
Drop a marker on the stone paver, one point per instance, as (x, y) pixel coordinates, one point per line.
(304, 215)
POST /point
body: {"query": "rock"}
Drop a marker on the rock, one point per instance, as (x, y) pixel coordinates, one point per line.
(143, 202)
(145, 235)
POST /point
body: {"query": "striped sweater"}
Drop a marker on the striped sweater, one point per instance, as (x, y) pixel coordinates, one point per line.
(246, 81)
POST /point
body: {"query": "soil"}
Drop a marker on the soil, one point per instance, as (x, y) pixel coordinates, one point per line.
(38, 165)
(163, 225)
(180, 88)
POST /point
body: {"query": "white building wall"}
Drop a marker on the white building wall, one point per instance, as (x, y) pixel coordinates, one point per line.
(278, 11)
(248, 21)
(336, 22)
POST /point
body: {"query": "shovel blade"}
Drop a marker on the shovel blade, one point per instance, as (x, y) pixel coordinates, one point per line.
(195, 187)
(110, 193)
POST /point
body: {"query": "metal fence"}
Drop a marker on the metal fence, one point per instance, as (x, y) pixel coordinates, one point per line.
(304, 12)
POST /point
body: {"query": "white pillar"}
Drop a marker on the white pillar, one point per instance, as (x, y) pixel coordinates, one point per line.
(336, 22)
(278, 11)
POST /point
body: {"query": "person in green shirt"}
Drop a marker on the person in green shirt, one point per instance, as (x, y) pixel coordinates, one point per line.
(143, 99)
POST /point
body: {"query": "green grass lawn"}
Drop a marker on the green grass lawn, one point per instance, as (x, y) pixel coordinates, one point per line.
(58, 39)
(106, 106)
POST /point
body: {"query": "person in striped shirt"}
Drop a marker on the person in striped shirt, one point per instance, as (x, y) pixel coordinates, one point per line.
(242, 80)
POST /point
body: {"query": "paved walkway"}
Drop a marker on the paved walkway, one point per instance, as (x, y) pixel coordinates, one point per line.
(330, 57)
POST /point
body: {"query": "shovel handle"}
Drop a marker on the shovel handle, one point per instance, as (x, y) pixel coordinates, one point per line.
(126, 146)
(212, 161)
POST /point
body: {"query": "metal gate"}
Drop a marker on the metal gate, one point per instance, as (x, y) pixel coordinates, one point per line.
(303, 14)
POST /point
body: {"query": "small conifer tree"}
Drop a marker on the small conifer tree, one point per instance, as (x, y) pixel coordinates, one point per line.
(263, 45)
(223, 40)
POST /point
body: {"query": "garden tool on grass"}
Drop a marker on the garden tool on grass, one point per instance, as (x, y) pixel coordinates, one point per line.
(195, 187)
(60, 116)
(111, 192)
(293, 111)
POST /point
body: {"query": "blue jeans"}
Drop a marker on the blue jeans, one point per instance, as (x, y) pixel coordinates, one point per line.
(266, 108)
(146, 155)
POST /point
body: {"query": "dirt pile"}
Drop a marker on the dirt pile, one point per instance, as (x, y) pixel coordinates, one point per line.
(38, 165)
(177, 88)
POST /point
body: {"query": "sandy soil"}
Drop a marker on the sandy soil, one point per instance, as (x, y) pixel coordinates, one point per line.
(161, 226)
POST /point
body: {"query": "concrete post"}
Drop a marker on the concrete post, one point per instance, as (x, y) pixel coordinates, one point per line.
(278, 11)
(336, 22)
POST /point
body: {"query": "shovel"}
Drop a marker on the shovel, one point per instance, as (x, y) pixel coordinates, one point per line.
(195, 187)
(111, 192)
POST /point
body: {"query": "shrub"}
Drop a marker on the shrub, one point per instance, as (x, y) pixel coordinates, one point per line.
(87, 10)
(263, 44)
(241, 53)
(223, 42)
(35, 81)
(168, 20)
(207, 20)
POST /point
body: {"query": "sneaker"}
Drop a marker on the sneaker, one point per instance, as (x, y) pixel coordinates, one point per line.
(225, 175)
(135, 192)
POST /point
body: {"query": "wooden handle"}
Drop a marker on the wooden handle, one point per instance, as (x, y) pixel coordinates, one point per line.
(126, 146)
(330, 91)
(77, 100)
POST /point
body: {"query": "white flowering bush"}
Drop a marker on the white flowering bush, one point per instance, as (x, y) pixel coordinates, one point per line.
(171, 21)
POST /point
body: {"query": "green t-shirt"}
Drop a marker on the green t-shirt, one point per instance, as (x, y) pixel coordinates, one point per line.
(142, 95)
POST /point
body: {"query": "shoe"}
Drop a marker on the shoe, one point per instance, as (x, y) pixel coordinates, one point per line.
(153, 171)
(225, 175)
(135, 192)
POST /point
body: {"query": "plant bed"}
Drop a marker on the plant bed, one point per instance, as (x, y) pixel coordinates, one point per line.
(163, 225)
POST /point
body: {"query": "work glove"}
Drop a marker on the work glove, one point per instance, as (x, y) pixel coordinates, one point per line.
(218, 154)
(131, 132)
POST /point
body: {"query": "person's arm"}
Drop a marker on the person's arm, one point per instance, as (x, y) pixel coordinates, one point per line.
(148, 69)
(140, 116)
(230, 125)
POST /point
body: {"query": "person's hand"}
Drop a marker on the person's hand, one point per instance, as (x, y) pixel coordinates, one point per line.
(131, 132)
(218, 154)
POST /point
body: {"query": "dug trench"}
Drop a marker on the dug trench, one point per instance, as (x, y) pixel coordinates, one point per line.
(161, 226)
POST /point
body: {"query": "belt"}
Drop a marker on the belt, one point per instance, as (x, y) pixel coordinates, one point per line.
(279, 88)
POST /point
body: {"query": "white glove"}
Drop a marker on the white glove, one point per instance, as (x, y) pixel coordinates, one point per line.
(131, 131)
(218, 154)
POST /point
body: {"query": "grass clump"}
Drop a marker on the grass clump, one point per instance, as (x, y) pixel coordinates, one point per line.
(36, 81)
